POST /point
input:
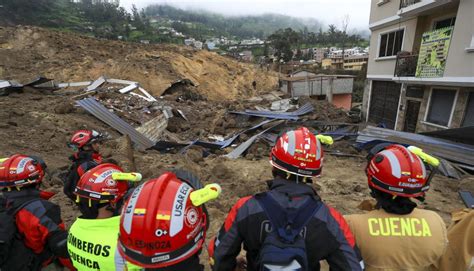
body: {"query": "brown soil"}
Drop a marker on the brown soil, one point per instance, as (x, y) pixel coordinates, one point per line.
(40, 123)
(26, 52)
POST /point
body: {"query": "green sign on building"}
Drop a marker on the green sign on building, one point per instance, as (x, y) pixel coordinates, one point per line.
(434, 52)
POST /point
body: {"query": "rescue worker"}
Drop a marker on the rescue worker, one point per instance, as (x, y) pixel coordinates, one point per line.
(38, 236)
(164, 222)
(86, 146)
(288, 227)
(459, 255)
(397, 235)
(92, 239)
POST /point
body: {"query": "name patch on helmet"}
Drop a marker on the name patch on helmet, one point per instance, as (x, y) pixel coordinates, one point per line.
(306, 172)
(160, 258)
(150, 245)
(410, 185)
(179, 206)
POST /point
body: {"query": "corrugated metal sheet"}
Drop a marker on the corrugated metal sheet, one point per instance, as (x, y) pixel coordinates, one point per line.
(462, 135)
(305, 109)
(4, 84)
(102, 113)
(449, 150)
(244, 146)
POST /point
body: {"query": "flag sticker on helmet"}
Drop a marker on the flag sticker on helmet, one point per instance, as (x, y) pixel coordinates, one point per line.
(139, 211)
(394, 163)
(163, 216)
(422, 166)
(179, 206)
(21, 166)
(130, 209)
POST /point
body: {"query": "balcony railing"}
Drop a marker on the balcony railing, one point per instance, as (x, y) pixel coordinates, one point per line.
(406, 64)
(406, 3)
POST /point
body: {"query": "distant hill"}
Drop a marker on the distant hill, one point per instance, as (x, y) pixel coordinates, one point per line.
(204, 23)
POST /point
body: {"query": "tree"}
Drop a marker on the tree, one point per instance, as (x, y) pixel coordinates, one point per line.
(282, 41)
(137, 19)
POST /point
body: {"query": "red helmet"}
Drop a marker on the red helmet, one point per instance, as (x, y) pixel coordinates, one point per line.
(160, 226)
(398, 171)
(20, 170)
(82, 138)
(98, 184)
(298, 152)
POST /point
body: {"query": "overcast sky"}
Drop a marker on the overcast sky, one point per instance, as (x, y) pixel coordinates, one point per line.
(327, 11)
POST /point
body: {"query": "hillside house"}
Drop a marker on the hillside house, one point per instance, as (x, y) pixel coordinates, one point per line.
(421, 64)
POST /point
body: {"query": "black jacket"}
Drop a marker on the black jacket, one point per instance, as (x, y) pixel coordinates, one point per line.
(81, 162)
(39, 223)
(328, 236)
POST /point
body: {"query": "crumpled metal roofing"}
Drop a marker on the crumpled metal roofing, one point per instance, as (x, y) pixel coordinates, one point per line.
(449, 150)
(305, 109)
(92, 106)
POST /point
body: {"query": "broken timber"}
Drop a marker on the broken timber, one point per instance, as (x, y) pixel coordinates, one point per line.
(131, 85)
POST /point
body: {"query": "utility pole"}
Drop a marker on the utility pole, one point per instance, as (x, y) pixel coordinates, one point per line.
(344, 25)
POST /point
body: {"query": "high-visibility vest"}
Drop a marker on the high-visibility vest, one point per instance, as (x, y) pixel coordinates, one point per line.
(92, 244)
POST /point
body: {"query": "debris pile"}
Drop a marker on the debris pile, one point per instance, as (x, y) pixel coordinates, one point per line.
(184, 124)
(26, 51)
(456, 158)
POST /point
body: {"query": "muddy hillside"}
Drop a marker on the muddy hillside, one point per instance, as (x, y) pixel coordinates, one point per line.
(26, 52)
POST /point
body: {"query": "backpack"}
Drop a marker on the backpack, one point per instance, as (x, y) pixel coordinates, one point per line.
(14, 255)
(284, 247)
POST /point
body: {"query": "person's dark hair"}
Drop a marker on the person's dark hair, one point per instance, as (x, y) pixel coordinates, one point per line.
(90, 208)
(290, 177)
(391, 204)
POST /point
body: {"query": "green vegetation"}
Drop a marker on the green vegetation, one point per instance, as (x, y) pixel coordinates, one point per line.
(202, 24)
(106, 19)
(285, 40)
(100, 18)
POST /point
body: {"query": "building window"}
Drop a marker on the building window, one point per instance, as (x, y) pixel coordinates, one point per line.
(469, 113)
(391, 43)
(444, 23)
(441, 106)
